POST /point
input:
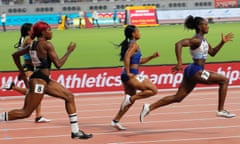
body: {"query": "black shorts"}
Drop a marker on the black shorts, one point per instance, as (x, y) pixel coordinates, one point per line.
(39, 75)
(28, 67)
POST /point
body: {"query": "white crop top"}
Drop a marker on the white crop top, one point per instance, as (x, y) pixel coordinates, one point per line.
(201, 52)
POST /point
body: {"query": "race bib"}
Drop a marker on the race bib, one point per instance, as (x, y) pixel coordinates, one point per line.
(140, 77)
(39, 89)
(205, 74)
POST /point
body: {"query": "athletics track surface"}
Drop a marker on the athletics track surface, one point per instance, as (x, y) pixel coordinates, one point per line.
(192, 121)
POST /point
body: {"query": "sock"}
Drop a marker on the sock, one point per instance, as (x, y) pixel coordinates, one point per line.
(74, 122)
(4, 116)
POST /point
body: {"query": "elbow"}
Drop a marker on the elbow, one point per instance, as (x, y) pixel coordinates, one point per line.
(58, 64)
(212, 54)
(14, 56)
(58, 67)
(177, 44)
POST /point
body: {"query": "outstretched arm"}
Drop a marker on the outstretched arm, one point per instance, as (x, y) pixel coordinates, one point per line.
(59, 62)
(147, 59)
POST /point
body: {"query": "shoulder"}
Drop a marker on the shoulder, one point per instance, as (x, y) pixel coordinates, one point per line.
(196, 40)
(133, 45)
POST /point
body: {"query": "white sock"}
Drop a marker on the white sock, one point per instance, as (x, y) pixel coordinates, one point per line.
(4, 116)
(74, 122)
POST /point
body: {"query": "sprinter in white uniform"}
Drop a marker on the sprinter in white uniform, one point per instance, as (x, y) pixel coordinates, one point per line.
(195, 72)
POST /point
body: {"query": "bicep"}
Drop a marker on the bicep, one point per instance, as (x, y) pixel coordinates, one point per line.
(52, 53)
(185, 43)
(189, 42)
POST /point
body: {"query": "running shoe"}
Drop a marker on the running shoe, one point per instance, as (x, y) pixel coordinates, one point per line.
(118, 126)
(8, 86)
(145, 111)
(126, 102)
(225, 114)
(41, 120)
(81, 135)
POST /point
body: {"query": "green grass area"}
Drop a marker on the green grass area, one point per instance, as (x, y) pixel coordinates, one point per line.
(95, 48)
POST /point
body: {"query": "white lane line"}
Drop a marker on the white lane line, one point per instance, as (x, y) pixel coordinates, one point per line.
(108, 124)
(179, 140)
(133, 132)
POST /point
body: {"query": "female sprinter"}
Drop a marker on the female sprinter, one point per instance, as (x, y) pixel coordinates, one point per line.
(131, 80)
(195, 72)
(42, 54)
(23, 42)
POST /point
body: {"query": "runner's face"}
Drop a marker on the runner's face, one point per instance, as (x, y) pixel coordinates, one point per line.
(47, 34)
(204, 27)
(136, 34)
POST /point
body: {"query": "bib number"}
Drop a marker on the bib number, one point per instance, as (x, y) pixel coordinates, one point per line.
(205, 75)
(140, 78)
(39, 89)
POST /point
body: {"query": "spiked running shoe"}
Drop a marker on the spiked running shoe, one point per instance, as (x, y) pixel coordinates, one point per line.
(225, 114)
(81, 135)
(145, 111)
(41, 120)
(117, 125)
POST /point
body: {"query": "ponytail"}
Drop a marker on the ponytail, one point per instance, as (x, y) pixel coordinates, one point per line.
(193, 22)
(25, 28)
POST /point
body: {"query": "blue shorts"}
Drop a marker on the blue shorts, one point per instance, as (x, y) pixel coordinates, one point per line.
(124, 76)
(192, 69)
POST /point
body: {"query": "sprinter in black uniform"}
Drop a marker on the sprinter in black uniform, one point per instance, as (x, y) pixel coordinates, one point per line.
(24, 41)
(42, 53)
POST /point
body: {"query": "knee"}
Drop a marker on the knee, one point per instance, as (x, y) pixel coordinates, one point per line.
(26, 114)
(69, 98)
(154, 91)
(225, 81)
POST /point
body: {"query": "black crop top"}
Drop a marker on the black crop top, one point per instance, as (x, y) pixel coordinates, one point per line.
(36, 61)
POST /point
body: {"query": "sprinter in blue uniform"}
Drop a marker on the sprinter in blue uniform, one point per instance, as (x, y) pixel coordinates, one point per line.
(131, 79)
(196, 73)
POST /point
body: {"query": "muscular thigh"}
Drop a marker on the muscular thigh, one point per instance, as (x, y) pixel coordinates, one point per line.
(37, 86)
(57, 90)
(141, 84)
(208, 77)
(186, 86)
(35, 94)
